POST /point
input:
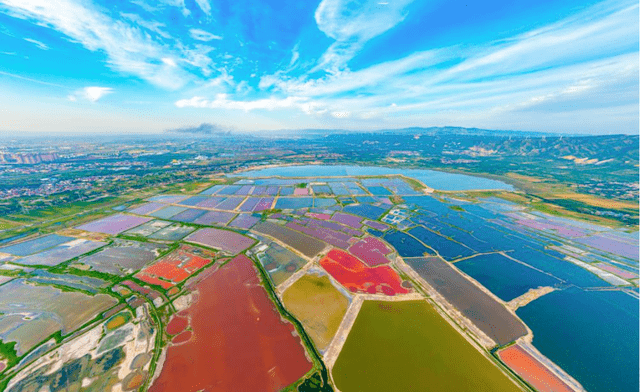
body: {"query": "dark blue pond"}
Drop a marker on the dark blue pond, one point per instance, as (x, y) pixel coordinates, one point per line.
(448, 249)
(406, 245)
(559, 268)
(505, 278)
(366, 210)
(592, 335)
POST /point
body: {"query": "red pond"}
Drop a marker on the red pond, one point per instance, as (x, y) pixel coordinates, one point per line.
(183, 337)
(177, 325)
(357, 277)
(238, 343)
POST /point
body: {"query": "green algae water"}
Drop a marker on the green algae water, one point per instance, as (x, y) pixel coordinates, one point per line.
(592, 335)
(407, 346)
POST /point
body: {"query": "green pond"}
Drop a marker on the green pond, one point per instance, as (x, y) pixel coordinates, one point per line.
(407, 346)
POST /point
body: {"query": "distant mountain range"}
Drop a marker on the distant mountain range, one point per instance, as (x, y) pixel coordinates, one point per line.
(431, 131)
(215, 130)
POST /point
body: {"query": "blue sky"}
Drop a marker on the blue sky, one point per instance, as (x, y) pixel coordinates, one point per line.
(148, 65)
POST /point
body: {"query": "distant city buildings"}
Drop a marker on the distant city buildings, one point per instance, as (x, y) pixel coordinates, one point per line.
(27, 158)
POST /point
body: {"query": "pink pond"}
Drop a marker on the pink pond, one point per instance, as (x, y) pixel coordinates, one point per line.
(264, 204)
(376, 225)
(346, 219)
(225, 240)
(327, 235)
(244, 221)
(611, 245)
(114, 224)
(318, 216)
(545, 225)
(371, 250)
(614, 270)
(146, 208)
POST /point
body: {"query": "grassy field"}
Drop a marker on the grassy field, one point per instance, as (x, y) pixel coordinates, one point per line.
(5, 224)
(407, 346)
(318, 305)
(598, 201)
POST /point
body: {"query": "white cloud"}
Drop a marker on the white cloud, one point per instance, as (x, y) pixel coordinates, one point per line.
(91, 93)
(94, 94)
(198, 56)
(588, 60)
(202, 35)
(344, 19)
(352, 24)
(179, 4)
(243, 88)
(31, 80)
(295, 55)
(568, 61)
(204, 6)
(151, 25)
(341, 114)
(169, 61)
(592, 34)
(222, 102)
(37, 43)
(128, 49)
(223, 79)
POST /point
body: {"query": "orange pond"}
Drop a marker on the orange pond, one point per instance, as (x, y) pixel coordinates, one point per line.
(238, 342)
(176, 266)
(531, 370)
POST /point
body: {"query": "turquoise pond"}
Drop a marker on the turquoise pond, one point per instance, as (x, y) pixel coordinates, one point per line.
(592, 335)
(434, 179)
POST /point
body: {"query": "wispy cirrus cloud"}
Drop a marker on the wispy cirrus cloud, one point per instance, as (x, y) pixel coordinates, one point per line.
(128, 49)
(176, 3)
(351, 24)
(30, 80)
(567, 61)
(153, 6)
(222, 101)
(204, 6)
(151, 25)
(235, 62)
(37, 43)
(202, 35)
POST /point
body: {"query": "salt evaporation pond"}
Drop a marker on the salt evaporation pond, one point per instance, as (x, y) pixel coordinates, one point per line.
(592, 335)
(505, 278)
(434, 179)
